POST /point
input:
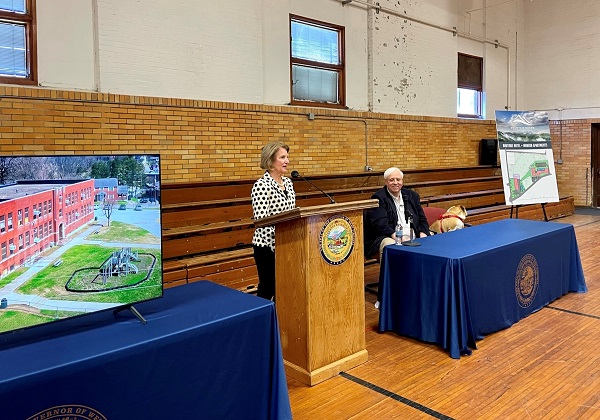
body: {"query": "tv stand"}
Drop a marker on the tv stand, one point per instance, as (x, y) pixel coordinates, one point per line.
(133, 310)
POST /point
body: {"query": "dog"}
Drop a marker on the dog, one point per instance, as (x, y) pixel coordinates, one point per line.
(452, 219)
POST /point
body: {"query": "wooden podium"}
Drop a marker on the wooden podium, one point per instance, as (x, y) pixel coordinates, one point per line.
(319, 270)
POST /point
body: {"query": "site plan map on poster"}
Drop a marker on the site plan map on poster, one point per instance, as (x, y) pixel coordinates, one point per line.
(526, 157)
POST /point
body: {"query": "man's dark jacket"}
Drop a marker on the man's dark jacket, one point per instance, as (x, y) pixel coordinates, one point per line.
(380, 222)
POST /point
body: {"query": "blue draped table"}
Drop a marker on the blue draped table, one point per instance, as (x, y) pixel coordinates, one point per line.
(459, 286)
(206, 352)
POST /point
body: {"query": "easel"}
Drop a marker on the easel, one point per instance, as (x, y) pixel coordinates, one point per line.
(517, 211)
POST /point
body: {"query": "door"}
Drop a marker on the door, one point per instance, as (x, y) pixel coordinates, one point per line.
(595, 177)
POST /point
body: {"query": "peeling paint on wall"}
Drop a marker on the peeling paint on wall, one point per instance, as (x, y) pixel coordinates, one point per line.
(406, 55)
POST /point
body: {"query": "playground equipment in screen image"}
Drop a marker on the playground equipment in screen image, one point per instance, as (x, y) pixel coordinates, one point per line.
(60, 255)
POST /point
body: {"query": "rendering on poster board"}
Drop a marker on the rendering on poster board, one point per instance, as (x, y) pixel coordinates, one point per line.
(526, 157)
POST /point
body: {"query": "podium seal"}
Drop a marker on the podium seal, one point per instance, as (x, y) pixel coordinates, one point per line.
(336, 239)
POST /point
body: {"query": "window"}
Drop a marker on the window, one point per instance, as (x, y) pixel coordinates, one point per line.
(18, 56)
(470, 86)
(2, 224)
(317, 63)
(10, 221)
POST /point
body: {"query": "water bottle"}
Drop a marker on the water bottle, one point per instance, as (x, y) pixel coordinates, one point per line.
(398, 234)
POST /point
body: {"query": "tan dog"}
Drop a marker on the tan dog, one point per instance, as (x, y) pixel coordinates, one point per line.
(453, 219)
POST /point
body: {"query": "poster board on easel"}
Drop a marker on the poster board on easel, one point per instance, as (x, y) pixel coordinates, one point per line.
(526, 158)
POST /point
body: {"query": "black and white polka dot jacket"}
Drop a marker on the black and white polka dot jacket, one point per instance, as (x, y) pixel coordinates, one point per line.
(268, 199)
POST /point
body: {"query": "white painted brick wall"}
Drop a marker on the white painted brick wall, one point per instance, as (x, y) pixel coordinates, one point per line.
(65, 44)
(238, 51)
(562, 60)
(199, 49)
(414, 64)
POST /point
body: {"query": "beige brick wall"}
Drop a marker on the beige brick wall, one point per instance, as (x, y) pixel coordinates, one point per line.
(572, 143)
(202, 140)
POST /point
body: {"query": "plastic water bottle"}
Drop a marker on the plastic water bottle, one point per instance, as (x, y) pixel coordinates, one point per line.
(398, 234)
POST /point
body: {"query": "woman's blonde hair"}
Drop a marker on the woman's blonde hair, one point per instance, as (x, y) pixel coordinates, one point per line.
(267, 156)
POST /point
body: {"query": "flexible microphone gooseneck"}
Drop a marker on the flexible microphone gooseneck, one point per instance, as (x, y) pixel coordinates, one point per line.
(296, 174)
(409, 219)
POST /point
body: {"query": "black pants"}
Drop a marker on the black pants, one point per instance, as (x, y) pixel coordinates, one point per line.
(265, 264)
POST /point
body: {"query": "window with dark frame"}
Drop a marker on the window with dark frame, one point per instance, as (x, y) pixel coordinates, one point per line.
(470, 86)
(18, 51)
(317, 63)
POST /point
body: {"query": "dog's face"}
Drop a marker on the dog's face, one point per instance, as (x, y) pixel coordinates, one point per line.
(460, 211)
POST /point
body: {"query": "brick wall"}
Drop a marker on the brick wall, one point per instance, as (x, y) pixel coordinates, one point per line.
(201, 140)
(572, 143)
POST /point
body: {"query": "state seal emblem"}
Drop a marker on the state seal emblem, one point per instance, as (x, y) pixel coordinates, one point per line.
(336, 239)
(527, 280)
(70, 411)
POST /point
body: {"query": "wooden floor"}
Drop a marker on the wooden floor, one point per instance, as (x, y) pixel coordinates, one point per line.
(546, 366)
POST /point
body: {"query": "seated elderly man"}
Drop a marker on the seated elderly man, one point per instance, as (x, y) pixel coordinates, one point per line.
(395, 205)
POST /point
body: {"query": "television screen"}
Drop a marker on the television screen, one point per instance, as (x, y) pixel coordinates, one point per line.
(78, 235)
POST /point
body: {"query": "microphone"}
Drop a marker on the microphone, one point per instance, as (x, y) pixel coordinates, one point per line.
(409, 220)
(296, 174)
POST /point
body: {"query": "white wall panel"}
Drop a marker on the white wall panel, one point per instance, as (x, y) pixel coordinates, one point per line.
(238, 51)
(209, 50)
(415, 64)
(65, 44)
(562, 60)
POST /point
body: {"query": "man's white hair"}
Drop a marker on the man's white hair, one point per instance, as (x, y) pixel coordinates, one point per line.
(390, 171)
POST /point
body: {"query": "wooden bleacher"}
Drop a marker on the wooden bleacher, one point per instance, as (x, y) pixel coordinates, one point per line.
(208, 226)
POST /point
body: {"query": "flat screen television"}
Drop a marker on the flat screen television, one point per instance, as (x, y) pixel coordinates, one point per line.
(79, 234)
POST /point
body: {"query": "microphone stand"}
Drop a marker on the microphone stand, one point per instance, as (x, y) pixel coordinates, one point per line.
(409, 219)
(296, 174)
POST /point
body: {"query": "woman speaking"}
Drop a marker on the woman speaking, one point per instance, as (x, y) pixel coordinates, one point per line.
(271, 194)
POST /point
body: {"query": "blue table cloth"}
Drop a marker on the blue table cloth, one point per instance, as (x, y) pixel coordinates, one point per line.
(206, 352)
(459, 286)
